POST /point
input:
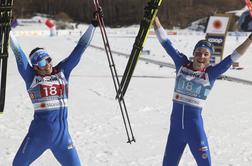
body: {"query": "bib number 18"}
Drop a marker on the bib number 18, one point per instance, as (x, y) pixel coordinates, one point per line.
(55, 90)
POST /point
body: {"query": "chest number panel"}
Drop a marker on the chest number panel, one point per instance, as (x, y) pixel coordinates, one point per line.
(54, 90)
(189, 87)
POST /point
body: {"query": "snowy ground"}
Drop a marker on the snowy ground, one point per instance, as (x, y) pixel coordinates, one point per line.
(94, 118)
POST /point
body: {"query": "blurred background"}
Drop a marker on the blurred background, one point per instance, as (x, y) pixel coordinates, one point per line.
(117, 13)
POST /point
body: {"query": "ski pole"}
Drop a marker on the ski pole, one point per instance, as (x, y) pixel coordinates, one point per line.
(114, 74)
(5, 21)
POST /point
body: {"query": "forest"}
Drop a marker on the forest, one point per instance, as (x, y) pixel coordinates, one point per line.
(179, 13)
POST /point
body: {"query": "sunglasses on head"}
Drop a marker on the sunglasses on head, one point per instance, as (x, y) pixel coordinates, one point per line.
(42, 64)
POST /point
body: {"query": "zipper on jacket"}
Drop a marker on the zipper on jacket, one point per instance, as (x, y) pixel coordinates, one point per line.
(183, 116)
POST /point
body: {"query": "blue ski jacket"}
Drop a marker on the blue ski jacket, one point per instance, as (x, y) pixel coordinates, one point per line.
(190, 93)
(49, 94)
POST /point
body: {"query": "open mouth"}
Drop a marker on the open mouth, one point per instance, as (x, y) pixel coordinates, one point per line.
(201, 61)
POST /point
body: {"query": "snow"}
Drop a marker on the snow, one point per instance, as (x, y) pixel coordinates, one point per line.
(95, 121)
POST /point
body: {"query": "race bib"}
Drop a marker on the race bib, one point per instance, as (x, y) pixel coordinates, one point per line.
(192, 87)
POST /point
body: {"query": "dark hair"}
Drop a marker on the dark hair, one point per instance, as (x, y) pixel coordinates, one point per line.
(34, 50)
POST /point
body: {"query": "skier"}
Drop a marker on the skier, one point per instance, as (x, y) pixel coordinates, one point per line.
(194, 80)
(48, 89)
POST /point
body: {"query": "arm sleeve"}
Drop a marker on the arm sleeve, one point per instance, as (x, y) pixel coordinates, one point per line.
(178, 58)
(73, 59)
(23, 65)
(223, 66)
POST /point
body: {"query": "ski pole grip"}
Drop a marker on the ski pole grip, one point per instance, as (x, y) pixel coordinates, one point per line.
(98, 12)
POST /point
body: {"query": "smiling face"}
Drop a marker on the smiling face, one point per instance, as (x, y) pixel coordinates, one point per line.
(201, 58)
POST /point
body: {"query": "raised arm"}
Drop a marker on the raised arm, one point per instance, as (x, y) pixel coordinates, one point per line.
(241, 49)
(178, 58)
(23, 65)
(225, 64)
(73, 59)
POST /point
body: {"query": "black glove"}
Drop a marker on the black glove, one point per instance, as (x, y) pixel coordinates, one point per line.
(94, 20)
(250, 36)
